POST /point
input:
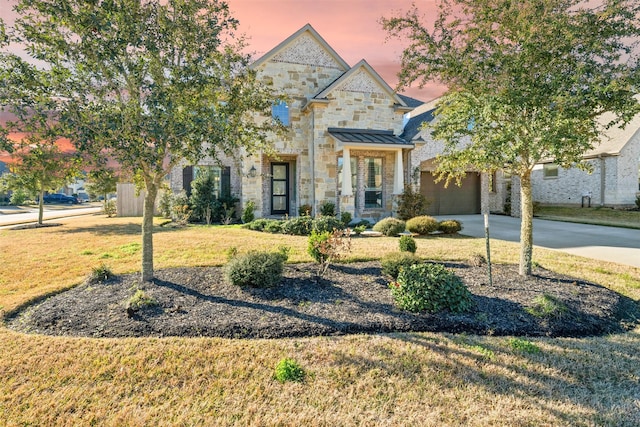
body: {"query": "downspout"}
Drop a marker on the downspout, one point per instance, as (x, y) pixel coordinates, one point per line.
(603, 178)
(312, 155)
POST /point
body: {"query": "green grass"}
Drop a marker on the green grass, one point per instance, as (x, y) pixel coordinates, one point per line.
(384, 379)
(594, 215)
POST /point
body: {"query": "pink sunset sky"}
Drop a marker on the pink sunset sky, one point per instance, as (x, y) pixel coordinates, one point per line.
(351, 27)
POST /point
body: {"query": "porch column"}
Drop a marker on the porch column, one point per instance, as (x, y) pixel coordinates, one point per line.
(398, 174)
(347, 186)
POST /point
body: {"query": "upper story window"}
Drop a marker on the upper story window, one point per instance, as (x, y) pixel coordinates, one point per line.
(280, 111)
(550, 170)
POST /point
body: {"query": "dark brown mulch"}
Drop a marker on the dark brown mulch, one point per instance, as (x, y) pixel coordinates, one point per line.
(351, 298)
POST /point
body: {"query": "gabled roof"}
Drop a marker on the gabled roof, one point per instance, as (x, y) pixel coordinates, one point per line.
(362, 66)
(309, 30)
(421, 114)
(613, 140)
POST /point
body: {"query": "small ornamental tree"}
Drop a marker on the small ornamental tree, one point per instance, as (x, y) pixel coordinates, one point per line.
(33, 135)
(148, 83)
(527, 80)
(102, 181)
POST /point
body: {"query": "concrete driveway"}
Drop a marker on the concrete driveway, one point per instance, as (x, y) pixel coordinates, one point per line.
(621, 245)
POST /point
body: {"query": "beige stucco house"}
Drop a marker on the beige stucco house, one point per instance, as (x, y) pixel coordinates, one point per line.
(343, 143)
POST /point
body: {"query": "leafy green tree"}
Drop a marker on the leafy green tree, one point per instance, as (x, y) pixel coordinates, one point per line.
(102, 181)
(38, 165)
(527, 80)
(149, 83)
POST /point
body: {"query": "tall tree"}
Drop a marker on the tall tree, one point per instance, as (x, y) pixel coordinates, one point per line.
(149, 83)
(527, 80)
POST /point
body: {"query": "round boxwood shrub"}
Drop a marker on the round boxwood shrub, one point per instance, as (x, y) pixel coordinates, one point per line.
(389, 226)
(256, 269)
(257, 224)
(392, 263)
(422, 225)
(431, 288)
(300, 226)
(408, 244)
(450, 226)
(326, 223)
(273, 226)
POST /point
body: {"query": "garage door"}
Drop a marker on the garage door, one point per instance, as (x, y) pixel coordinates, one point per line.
(463, 200)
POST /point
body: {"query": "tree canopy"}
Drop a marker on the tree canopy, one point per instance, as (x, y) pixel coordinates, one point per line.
(527, 80)
(148, 83)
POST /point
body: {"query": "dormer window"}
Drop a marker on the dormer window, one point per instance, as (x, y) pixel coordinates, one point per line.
(280, 111)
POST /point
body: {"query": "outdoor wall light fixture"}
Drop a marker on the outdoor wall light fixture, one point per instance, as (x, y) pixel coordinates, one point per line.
(252, 172)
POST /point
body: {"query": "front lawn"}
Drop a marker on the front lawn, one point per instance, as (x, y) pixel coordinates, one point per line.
(392, 379)
(593, 215)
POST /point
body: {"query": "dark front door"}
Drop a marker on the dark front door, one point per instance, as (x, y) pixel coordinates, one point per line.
(279, 188)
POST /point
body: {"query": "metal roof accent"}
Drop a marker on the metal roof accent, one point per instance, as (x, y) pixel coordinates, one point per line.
(367, 136)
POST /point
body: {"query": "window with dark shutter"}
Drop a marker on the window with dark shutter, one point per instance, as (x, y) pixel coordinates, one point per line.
(225, 182)
(187, 177)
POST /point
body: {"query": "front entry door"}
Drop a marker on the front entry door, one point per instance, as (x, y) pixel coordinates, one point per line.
(279, 188)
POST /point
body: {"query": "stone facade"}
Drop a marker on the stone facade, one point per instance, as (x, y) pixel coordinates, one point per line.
(323, 92)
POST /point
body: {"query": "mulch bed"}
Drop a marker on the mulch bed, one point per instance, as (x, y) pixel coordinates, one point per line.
(350, 298)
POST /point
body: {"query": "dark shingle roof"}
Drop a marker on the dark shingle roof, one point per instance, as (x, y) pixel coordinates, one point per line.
(411, 102)
(367, 136)
(412, 128)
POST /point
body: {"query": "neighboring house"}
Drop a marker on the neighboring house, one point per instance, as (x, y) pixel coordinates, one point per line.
(614, 179)
(343, 121)
(464, 199)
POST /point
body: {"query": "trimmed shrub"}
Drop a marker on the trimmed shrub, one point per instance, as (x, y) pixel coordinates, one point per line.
(390, 226)
(289, 370)
(358, 229)
(328, 208)
(257, 224)
(392, 263)
(316, 240)
(305, 210)
(326, 223)
(450, 226)
(431, 288)
(346, 218)
(422, 225)
(300, 226)
(408, 244)
(247, 212)
(411, 203)
(273, 226)
(256, 269)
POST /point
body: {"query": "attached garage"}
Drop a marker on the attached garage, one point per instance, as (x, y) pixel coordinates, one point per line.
(453, 200)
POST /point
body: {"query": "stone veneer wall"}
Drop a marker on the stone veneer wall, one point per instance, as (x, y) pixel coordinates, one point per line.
(299, 73)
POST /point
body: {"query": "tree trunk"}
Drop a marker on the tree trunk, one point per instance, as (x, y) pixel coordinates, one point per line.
(41, 207)
(526, 225)
(147, 231)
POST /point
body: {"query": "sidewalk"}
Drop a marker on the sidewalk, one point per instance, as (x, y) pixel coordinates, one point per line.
(16, 215)
(613, 244)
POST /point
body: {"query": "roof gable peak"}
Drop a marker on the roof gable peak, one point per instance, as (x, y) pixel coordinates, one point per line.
(305, 46)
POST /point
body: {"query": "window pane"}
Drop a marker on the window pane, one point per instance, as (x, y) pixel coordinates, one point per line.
(279, 203)
(279, 172)
(280, 111)
(279, 188)
(373, 183)
(550, 170)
